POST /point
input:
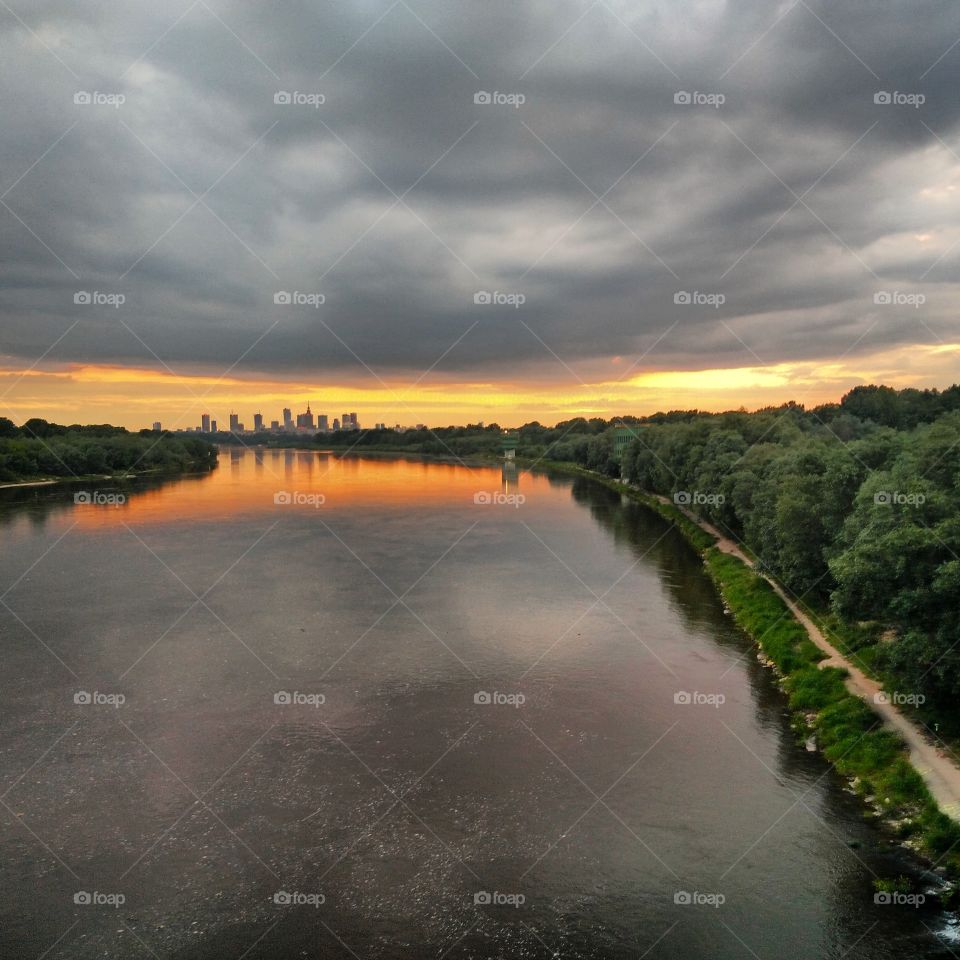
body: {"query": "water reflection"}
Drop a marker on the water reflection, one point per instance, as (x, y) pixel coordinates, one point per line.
(592, 607)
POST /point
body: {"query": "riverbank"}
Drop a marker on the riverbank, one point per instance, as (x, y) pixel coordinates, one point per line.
(889, 764)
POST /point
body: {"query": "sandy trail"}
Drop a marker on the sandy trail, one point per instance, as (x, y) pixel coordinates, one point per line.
(931, 761)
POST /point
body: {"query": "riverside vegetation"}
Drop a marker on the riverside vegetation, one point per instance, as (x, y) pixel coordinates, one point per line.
(39, 450)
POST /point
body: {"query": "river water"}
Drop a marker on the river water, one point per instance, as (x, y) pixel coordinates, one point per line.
(317, 707)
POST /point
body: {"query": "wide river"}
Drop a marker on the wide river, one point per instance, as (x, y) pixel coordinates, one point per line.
(317, 707)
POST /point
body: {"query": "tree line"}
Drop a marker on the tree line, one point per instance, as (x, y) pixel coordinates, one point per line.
(41, 450)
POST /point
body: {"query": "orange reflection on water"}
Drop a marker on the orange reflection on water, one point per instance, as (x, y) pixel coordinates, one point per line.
(259, 480)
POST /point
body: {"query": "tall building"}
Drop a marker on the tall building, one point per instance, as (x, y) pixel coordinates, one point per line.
(205, 423)
(354, 422)
(156, 425)
(305, 420)
(323, 423)
(287, 419)
(257, 422)
(275, 426)
(213, 426)
(336, 424)
(234, 423)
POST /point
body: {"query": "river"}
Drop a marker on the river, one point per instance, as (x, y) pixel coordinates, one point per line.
(306, 706)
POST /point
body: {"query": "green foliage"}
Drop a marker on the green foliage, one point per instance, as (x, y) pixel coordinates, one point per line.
(41, 450)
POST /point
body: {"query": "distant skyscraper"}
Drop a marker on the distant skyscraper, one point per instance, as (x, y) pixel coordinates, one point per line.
(205, 423)
(156, 425)
(213, 426)
(305, 420)
(323, 423)
(257, 422)
(275, 426)
(336, 424)
(354, 422)
(234, 422)
(287, 419)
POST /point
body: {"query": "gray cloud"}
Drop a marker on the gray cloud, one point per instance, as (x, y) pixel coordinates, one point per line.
(500, 199)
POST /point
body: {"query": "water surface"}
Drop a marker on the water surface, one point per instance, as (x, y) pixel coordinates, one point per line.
(400, 812)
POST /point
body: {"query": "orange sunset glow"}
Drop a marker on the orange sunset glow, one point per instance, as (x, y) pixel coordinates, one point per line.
(135, 396)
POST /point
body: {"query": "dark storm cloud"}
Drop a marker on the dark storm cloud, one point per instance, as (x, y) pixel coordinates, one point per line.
(199, 198)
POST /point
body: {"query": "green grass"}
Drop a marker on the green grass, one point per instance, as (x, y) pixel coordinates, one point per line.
(848, 731)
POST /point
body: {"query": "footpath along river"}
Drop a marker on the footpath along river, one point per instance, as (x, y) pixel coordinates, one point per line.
(307, 706)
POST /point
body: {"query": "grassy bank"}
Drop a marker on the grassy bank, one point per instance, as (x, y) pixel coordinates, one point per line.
(848, 732)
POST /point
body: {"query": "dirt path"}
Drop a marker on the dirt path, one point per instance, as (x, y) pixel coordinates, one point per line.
(939, 772)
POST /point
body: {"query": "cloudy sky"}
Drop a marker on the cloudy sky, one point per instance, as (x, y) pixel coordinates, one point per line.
(665, 203)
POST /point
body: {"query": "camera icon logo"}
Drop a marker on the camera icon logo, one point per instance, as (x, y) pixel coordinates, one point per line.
(282, 697)
(83, 496)
(82, 697)
(82, 898)
(882, 97)
(282, 297)
(682, 897)
(82, 297)
(282, 898)
(481, 96)
(681, 498)
(283, 498)
(882, 498)
(682, 97)
(482, 899)
(681, 696)
(282, 97)
(482, 697)
(482, 296)
(882, 298)
(682, 297)
(82, 97)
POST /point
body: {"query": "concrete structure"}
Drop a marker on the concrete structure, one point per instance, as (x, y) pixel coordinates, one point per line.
(257, 422)
(205, 423)
(509, 445)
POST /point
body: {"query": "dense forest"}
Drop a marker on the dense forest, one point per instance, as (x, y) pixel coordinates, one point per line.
(855, 507)
(40, 450)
